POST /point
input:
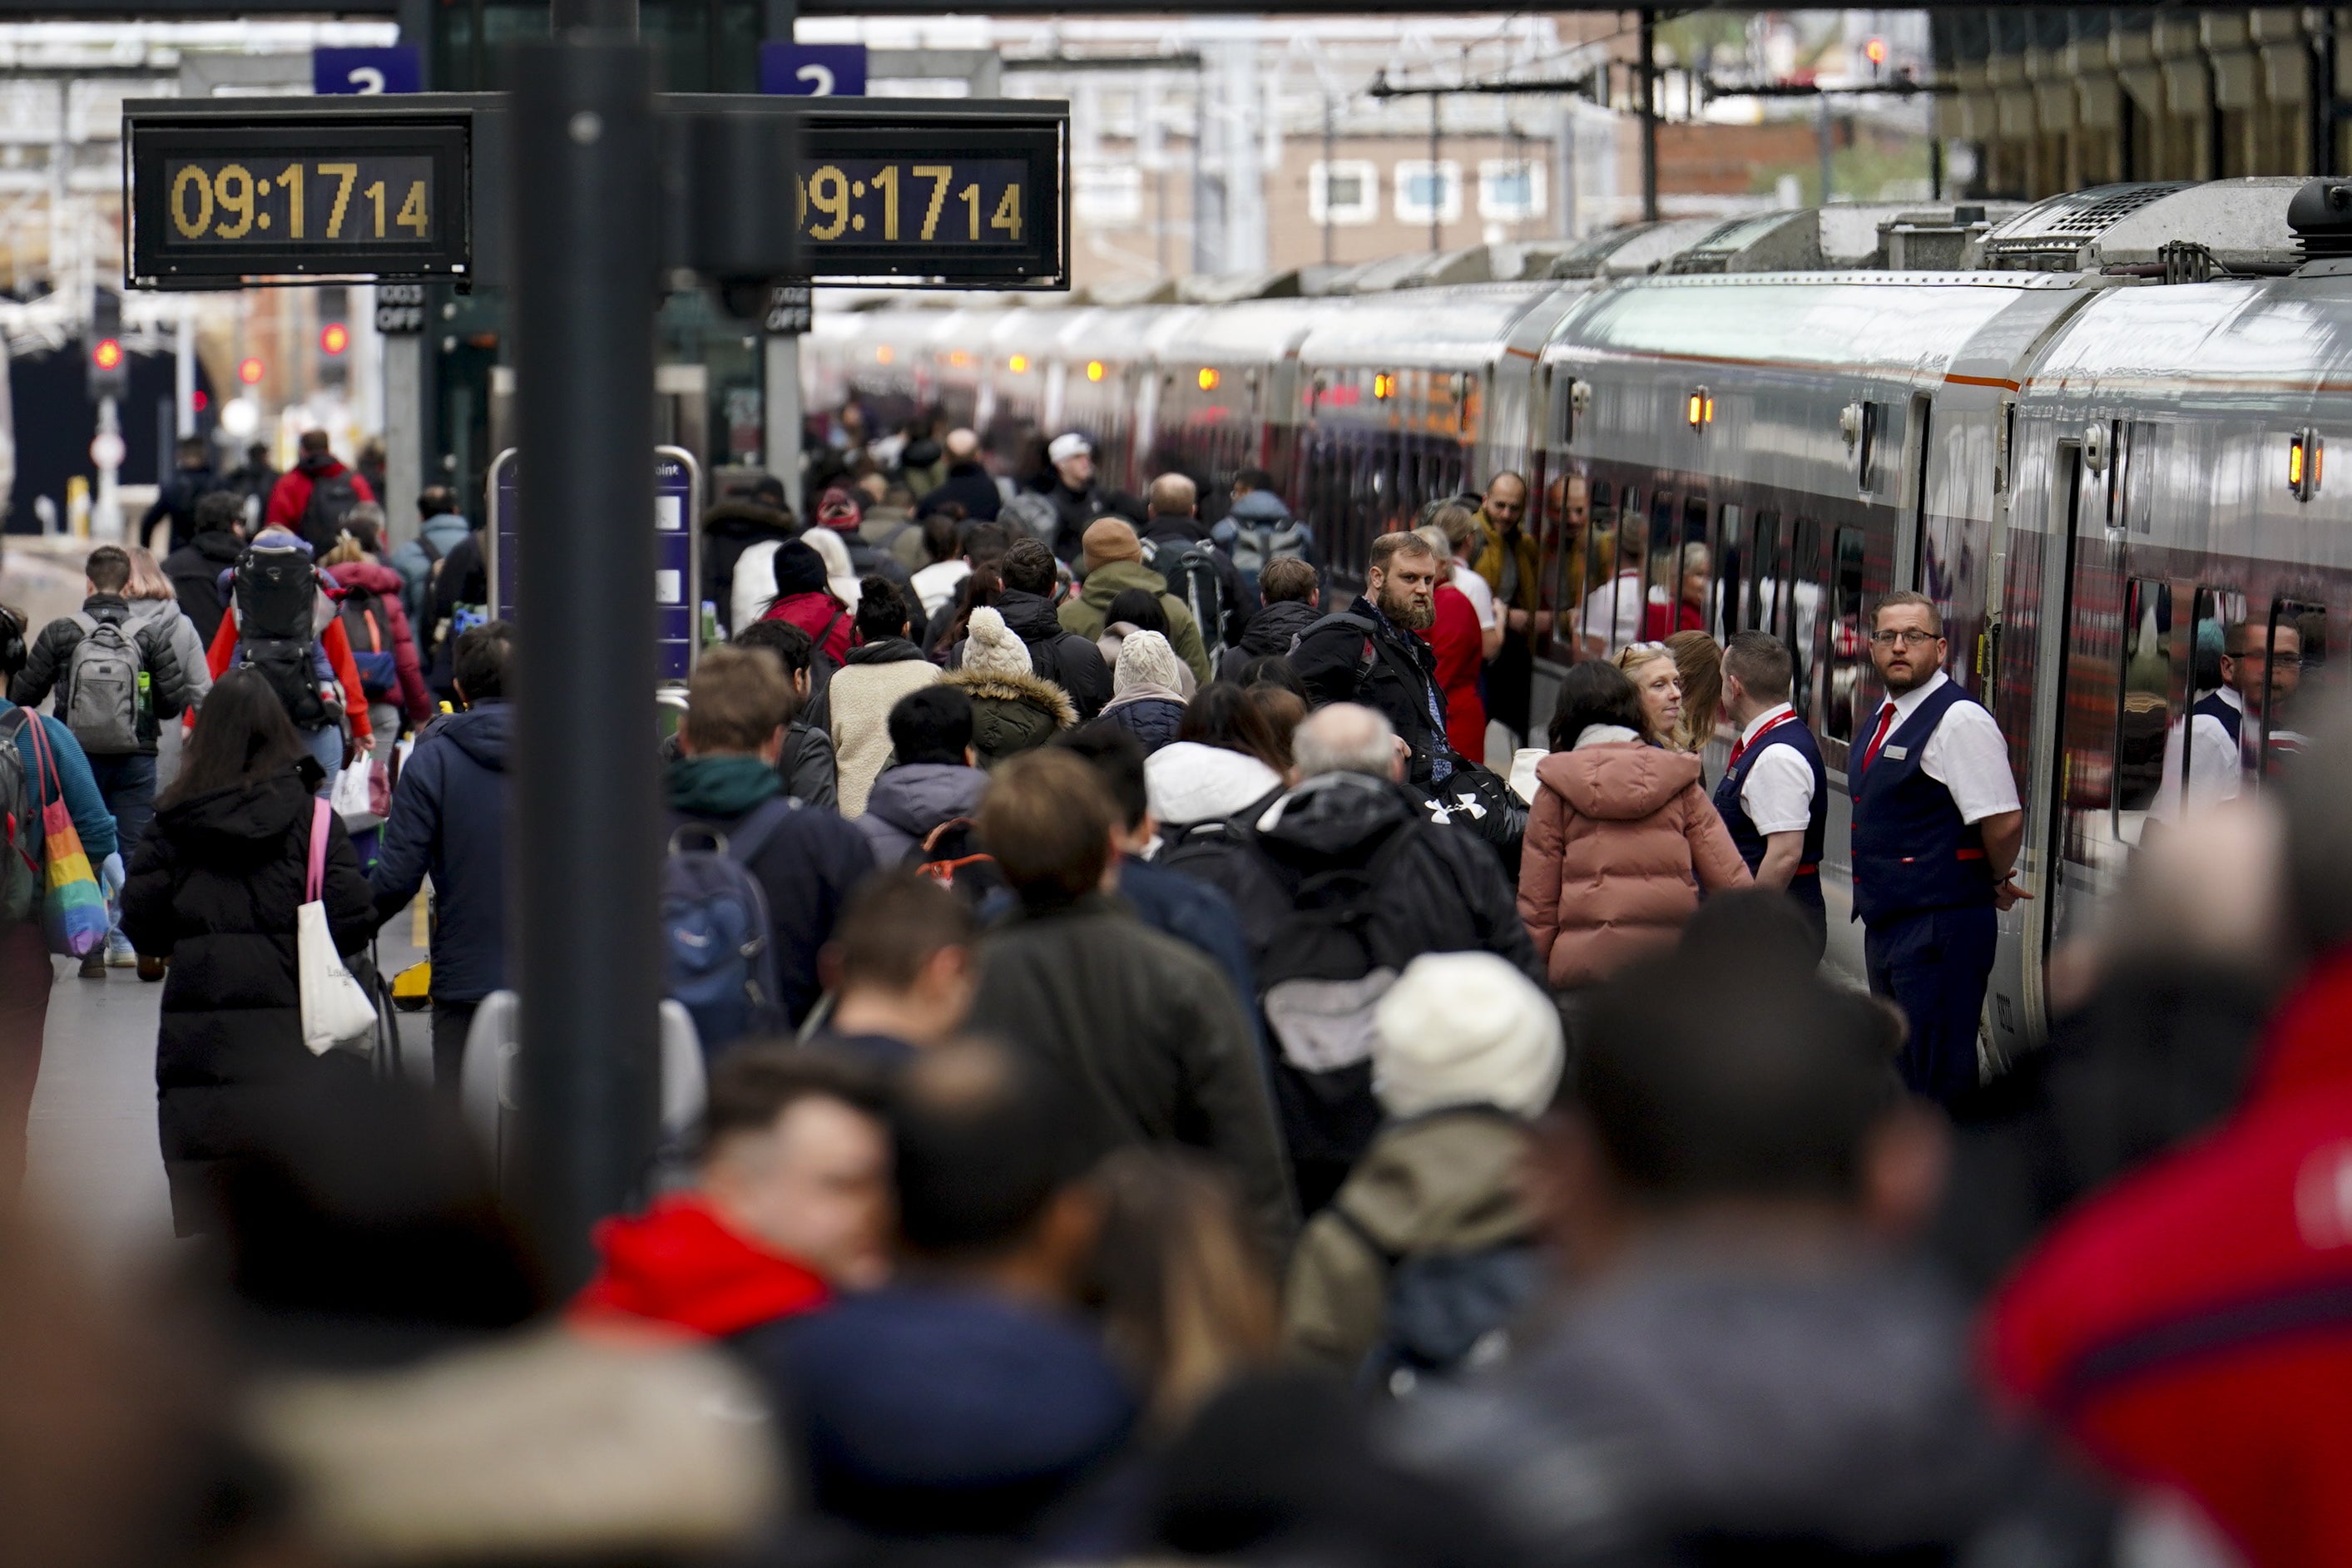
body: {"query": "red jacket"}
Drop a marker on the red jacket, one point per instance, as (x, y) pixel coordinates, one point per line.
(290, 498)
(680, 1263)
(813, 612)
(416, 702)
(1461, 652)
(1660, 622)
(2192, 1326)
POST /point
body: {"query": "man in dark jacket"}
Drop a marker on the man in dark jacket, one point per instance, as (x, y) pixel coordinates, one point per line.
(736, 705)
(957, 1404)
(967, 484)
(191, 479)
(811, 772)
(1293, 598)
(1145, 1026)
(1747, 1368)
(1056, 654)
(933, 781)
(253, 479)
(1075, 495)
(1174, 526)
(1369, 653)
(196, 567)
(1350, 835)
(448, 819)
(121, 744)
(730, 527)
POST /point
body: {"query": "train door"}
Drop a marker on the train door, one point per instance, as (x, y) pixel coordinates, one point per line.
(2077, 764)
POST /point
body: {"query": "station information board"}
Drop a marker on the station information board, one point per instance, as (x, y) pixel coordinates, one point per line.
(917, 192)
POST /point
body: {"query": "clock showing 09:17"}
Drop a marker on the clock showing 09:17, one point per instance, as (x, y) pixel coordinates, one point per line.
(353, 201)
(871, 201)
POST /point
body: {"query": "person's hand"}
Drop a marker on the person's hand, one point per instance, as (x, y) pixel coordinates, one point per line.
(111, 875)
(1515, 620)
(2006, 895)
(1543, 622)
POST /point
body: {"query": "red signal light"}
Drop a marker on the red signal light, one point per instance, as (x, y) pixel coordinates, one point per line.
(249, 372)
(334, 337)
(202, 403)
(106, 353)
(1875, 51)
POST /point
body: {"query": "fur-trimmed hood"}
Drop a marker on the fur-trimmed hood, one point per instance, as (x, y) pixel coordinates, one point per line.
(1013, 712)
(1032, 690)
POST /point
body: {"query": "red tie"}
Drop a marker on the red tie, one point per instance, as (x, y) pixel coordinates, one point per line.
(1870, 752)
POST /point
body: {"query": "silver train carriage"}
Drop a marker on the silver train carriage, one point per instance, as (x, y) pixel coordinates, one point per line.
(2092, 429)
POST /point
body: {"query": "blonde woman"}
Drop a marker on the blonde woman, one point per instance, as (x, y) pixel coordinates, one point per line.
(153, 599)
(1658, 681)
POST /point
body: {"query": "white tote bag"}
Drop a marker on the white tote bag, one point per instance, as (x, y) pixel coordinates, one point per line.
(335, 1008)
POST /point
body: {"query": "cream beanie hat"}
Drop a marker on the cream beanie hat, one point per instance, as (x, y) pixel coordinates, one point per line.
(1465, 1028)
(991, 648)
(1145, 660)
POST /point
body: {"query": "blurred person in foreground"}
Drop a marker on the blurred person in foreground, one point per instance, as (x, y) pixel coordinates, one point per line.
(961, 1403)
(901, 969)
(2187, 1327)
(1467, 1056)
(1747, 1366)
(790, 1203)
(1144, 1026)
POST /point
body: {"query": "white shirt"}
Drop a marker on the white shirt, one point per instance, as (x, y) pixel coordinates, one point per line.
(1625, 624)
(1967, 754)
(937, 583)
(2217, 768)
(1778, 793)
(1474, 588)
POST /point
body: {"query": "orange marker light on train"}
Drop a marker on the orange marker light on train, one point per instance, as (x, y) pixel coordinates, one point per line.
(1018, 364)
(1094, 369)
(1383, 385)
(1208, 378)
(882, 355)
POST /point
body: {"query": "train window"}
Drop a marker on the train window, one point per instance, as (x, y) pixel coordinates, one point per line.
(1866, 458)
(1589, 569)
(1688, 574)
(2297, 665)
(1723, 595)
(1849, 656)
(1808, 627)
(2144, 718)
(1765, 571)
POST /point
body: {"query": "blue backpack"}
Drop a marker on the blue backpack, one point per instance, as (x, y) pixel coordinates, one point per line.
(719, 943)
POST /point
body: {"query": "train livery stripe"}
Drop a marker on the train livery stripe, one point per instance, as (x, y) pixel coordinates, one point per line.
(1952, 378)
(1523, 353)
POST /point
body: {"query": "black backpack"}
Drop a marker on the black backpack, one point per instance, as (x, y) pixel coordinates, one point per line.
(368, 625)
(1191, 574)
(332, 497)
(1320, 981)
(276, 593)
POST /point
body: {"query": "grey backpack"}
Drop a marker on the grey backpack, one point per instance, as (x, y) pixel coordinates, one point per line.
(105, 678)
(21, 879)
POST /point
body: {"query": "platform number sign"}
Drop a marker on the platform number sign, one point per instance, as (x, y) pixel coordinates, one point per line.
(788, 309)
(366, 72)
(813, 70)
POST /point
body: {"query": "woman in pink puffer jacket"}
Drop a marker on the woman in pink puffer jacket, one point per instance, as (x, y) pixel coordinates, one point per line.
(1620, 836)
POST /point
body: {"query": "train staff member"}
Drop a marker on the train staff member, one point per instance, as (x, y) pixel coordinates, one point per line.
(1936, 828)
(1774, 795)
(2261, 667)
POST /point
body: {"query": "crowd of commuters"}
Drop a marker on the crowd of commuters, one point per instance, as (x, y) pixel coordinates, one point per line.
(1195, 1108)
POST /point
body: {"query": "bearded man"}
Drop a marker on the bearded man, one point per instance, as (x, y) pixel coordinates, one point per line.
(1367, 653)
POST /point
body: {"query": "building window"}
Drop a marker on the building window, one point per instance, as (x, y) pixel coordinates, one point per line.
(1107, 196)
(1425, 192)
(1510, 190)
(1347, 191)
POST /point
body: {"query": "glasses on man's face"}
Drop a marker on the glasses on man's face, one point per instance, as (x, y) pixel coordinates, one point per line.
(1909, 636)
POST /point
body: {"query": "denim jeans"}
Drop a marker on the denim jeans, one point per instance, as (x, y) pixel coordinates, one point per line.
(127, 784)
(326, 745)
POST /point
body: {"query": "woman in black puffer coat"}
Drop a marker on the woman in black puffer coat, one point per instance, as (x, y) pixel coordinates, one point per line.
(215, 889)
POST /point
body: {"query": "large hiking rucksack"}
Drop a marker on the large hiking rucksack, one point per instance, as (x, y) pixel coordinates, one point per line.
(276, 594)
(105, 681)
(1033, 515)
(1320, 985)
(1444, 1313)
(368, 625)
(1254, 544)
(22, 881)
(716, 933)
(1191, 571)
(333, 497)
(950, 855)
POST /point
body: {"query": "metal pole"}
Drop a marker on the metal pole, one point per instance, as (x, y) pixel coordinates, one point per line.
(184, 376)
(106, 511)
(783, 412)
(1648, 71)
(1436, 186)
(404, 432)
(586, 177)
(1330, 132)
(1821, 142)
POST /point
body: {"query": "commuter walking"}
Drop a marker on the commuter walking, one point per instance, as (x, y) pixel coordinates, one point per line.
(1257, 529)
(1114, 563)
(1937, 830)
(1066, 658)
(1774, 795)
(1293, 602)
(196, 568)
(312, 500)
(1466, 1056)
(116, 679)
(1012, 710)
(153, 602)
(281, 621)
(805, 598)
(191, 480)
(945, 566)
(933, 779)
(1145, 1027)
(1146, 700)
(384, 647)
(442, 528)
(904, 965)
(967, 484)
(1076, 498)
(807, 766)
(1621, 837)
(885, 666)
(1370, 655)
(806, 858)
(43, 767)
(1178, 546)
(215, 889)
(1225, 761)
(448, 821)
